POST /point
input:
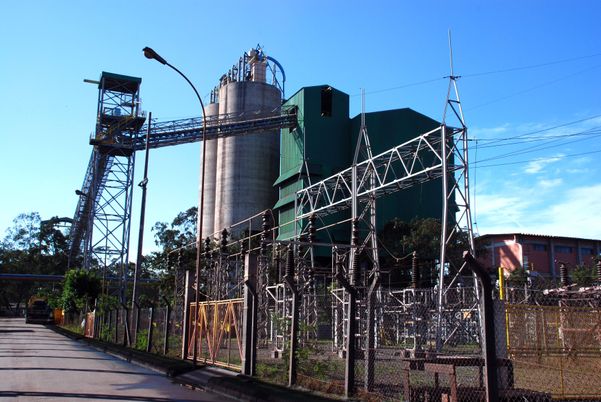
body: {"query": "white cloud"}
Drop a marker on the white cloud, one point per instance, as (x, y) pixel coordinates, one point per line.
(490, 132)
(550, 183)
(542, 196)
(578, 171)
(576, 213)
(573, 213)
(536, 166)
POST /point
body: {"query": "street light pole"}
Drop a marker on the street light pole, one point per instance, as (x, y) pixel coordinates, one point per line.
(151, 54)
(142, 184)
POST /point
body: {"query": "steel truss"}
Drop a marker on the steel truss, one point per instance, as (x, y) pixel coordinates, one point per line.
(102, 217)
(416, 161)
(117, 143)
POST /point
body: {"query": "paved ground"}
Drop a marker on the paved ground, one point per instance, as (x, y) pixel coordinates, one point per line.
(39, 364)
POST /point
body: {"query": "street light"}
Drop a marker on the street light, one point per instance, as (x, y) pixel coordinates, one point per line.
(151, 54)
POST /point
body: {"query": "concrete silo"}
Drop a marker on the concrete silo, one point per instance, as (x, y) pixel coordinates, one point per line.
(245, 166)
(212, 113)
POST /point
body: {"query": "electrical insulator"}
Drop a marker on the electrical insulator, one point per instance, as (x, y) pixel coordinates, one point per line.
(266, 223)
(312, 229)
(414, 272)
(355, 272)
(563, 274)
(223, 245)
(266, 227)
(290, 262)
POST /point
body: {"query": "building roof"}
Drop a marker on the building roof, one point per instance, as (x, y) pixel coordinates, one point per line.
(535, 235)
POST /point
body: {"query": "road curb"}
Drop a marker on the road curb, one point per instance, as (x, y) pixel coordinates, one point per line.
(165, 365)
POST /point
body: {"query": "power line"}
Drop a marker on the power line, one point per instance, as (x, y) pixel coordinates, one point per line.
(484, 73)
(534, 160)
(413, 84)
(544, 129)
(544, 84)
(532, 66)
(590, 133)
(534, 148)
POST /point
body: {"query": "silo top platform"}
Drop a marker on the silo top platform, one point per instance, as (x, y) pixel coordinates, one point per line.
(119, 83)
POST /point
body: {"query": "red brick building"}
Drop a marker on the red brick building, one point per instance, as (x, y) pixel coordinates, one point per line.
(537, 253)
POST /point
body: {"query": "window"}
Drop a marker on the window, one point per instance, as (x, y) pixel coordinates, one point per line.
(587, 251)
(539, 247)
(563, 249)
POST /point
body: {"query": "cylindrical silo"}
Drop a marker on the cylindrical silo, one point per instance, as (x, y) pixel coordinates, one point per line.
(247, 165)
(208, 193)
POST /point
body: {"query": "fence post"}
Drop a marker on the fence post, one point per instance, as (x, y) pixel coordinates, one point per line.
(150, 326)
(137, 323)
(490, 353)
(126, 334)
(110, 324)
(166, 331)
(289, 280)
(349, 368)
(371, 334)
(116, 340)
(249, 347)
(186, 326)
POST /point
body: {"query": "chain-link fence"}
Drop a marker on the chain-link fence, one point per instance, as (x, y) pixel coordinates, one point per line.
(468, 341)
(153, 329)
(554, 343)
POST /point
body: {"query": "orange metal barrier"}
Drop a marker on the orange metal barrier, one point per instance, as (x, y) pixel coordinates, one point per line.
(217, 327)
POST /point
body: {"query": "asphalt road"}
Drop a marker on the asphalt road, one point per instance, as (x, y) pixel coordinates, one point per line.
(38, 364)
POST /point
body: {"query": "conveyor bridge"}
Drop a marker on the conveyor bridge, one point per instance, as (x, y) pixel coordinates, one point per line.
(106, 163)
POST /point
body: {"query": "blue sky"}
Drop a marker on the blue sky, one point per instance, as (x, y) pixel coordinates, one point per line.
(530, 89)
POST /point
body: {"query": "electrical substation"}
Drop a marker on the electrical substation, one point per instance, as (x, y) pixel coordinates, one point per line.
(296, 193)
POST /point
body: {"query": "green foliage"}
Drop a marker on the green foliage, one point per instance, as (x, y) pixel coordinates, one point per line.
(142, 339)
(181, 232)
(107, 303)
(584, 275)
(517, 278)
(53, 297)
(31, 246)
(422, 235)
(107, 334)
(80, 290)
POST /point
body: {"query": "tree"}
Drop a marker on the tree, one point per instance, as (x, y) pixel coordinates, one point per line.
(584, 275)
(517, 278)
(80, 290)
(30, 246)
(181, 232)
(422, 235)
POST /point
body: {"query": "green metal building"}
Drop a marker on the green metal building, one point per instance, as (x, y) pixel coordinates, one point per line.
(323, 143)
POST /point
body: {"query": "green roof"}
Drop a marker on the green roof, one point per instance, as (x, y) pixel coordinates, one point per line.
(119, 82)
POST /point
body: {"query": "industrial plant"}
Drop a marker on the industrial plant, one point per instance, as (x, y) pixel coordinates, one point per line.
(289, 277)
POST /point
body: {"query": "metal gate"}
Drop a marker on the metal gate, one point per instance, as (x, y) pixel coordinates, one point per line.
(216, 327)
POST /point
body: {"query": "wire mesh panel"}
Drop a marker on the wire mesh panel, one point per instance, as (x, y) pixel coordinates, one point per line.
(555, 344)
(217, 329)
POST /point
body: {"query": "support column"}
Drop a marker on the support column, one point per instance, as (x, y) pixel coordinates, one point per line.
(249, 341)
(290, 282)
(186, 326)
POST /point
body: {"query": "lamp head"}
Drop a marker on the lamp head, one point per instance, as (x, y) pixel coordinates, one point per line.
(151, 54)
